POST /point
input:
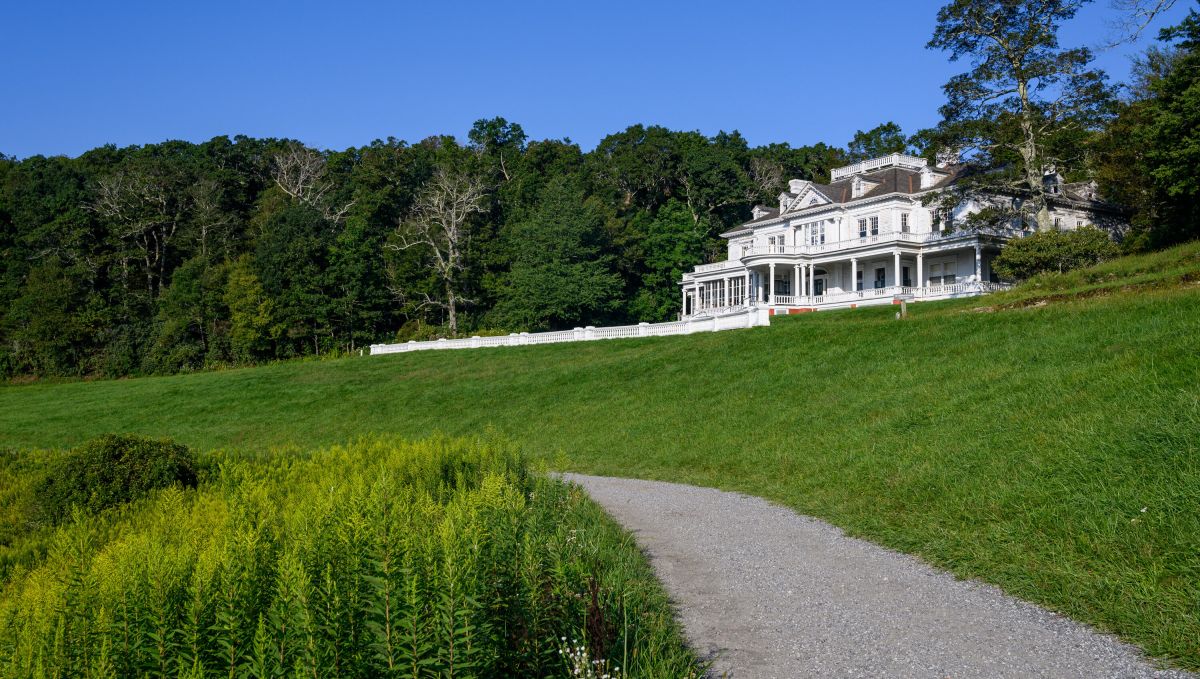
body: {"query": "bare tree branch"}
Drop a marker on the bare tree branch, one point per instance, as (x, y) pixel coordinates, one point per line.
(766, 178)
(440, 222)
(1137, 15)
(302, 174)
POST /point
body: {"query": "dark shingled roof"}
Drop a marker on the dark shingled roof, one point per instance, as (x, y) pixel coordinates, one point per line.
(888, 180)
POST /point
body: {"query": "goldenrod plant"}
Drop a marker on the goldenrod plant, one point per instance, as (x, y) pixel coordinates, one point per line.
(442, 557)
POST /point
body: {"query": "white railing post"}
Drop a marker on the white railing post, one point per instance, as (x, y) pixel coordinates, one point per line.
(589, 332)
(642, 328)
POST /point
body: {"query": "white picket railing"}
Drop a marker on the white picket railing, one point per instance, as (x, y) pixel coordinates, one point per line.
(709, 320)
(890, 291)
(900, 159)
(717, 266)
(885, 238)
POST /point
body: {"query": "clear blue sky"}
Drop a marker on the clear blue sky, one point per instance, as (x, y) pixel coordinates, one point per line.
(337, 74)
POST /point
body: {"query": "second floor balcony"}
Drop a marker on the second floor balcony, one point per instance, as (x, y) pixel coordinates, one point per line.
(881, 239)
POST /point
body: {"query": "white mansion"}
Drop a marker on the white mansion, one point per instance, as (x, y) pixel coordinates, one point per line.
(866, 238)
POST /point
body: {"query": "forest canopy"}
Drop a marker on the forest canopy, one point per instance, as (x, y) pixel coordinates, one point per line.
(179, 256)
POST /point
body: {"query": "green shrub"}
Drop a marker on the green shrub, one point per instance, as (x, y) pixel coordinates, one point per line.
(111, 470)
(1054, 251)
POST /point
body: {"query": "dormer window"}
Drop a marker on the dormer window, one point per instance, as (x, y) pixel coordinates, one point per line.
(857, 189)
(904, 222)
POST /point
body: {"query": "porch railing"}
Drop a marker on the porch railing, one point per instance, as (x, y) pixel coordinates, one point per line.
(835, 246)
(889, 291)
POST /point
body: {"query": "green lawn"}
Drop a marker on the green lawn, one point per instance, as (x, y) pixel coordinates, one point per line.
(1046, 439)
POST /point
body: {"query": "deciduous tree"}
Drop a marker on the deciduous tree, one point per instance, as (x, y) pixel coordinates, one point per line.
(559, 274)
(441, 225)
(878, 141)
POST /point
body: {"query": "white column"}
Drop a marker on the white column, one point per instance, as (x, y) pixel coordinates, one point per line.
(746, 291)
(803, 289)
(920, 271)
(796, 281)
(853, 274)
(696, 302)
(978, 263)
(898, 280)
(772, 284)
(683, 309)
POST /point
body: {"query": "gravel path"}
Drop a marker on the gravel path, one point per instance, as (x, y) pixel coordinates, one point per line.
(769, 593)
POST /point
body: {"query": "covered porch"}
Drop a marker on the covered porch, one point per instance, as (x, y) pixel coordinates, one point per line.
(790, 284)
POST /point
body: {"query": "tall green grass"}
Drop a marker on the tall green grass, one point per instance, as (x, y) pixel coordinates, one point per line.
(441, 558)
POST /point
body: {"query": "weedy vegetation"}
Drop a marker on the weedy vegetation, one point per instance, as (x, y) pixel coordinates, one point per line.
(437, 558)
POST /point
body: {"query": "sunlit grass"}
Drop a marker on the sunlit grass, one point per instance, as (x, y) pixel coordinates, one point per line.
(1015, 438)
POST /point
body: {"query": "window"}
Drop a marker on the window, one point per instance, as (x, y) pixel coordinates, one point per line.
(875, 226)
(1058, 222)
(943, 220)
(943, 273)
(816, 233)
(858, 278)
(903, 222)
(907, 280)
(880, 277)
(862, 228)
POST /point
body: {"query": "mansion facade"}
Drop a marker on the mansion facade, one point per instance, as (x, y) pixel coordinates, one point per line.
(867, 238)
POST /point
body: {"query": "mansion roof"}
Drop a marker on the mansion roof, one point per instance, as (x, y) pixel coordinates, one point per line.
(896, 174)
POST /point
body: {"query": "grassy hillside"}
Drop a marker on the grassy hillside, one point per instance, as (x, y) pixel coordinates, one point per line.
(1046, 439)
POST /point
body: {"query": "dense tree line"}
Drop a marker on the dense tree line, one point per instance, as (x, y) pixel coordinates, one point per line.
(180, 256)
(177, 256)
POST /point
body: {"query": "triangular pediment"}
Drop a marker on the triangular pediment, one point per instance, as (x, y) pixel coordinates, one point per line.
(809, 197)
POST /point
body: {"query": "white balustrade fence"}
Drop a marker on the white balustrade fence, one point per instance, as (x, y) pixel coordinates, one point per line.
(724, 319)
(883, 238)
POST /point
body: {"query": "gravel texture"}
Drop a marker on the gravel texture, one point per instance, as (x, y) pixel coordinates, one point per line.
(765, 592)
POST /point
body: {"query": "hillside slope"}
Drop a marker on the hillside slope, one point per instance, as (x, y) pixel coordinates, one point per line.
(1046, 439)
